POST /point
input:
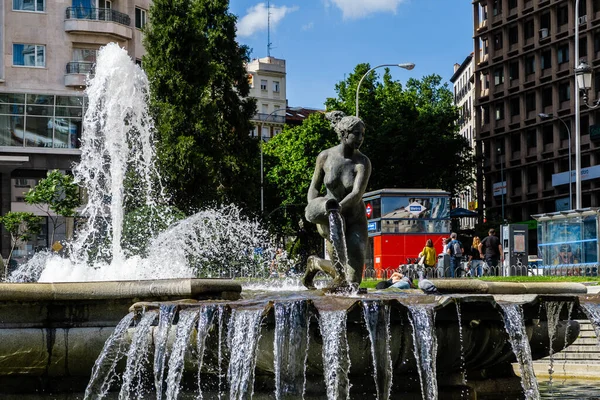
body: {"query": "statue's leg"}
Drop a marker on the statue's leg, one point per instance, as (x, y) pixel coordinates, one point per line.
(315, 265)
(357, 241)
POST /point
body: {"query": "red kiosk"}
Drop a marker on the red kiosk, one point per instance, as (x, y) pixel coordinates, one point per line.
(401, 221)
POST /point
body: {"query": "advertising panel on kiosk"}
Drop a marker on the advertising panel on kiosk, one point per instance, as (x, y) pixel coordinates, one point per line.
(401, 220)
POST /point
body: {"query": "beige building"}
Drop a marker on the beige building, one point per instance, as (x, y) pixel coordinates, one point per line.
(267, 78)
(464, 98)
(524, 66)
(47, 49)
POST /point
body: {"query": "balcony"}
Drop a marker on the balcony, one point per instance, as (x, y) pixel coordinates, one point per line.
(99, 21)
(276, 119)
(77, 72)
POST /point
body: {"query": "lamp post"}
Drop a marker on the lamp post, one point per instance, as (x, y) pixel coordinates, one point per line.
(580, 73)
(407, 66)
(262, 179)
(545, 117)
(503, 187)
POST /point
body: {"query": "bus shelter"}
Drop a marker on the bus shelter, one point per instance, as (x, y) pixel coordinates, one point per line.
(568, 242)
(399, 223)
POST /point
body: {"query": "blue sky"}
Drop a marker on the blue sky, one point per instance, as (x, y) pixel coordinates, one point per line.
(323, 40)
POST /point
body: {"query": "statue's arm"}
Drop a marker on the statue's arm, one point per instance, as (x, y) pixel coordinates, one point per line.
(363, 172)
(318, 176)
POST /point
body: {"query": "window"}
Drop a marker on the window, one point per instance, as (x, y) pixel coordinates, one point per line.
(276, 86)
(29, 55)
(531, 138)
(263, 84)
(530, 102)
(546, 59)
(140, 18)
(497, 41)
(548, 134)
(564, 133)
(515, 106)
(485, 110)
(499, 111)
(497, 7)
(545, 21)
(513, 35)
(528, 29)
(547, 96)
(562, 54)
(515, 142)
(29, 5)
(499, 76)
(562, 15)
(513, 70)
(512, 4)
(564, 92)
(583, 47)
(529, 65)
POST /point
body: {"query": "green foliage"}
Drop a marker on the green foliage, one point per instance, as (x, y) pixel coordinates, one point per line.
(22, 226)
(56, 195)
(411, 137)
(142, 224)
(199, 100)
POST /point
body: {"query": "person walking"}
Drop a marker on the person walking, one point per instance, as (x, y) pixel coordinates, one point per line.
(455, 250)
(475, 258)
(430, 257)
(490, 249)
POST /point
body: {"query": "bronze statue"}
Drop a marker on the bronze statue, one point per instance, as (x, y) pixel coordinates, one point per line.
(344, 171)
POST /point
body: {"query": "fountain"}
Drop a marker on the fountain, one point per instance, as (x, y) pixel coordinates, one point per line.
(142, 325)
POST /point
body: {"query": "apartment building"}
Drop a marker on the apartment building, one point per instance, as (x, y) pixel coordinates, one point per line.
(464, 98)
(524, 66)
(47, 48)
(267, 77)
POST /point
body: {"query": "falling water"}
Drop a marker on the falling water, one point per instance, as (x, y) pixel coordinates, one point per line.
(425, 349)
(136, 357)
(463, 367)
(165, 320)
(205, 320)
(336, 359)
(514, 324)
(592, 310)
(242, 336)
(103, 371)
(187, 318)
(377, 318)
(338, 239)
(290, 348)
(553, 309)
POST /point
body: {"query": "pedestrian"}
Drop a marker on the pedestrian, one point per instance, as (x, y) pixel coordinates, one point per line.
(476, 263)
(490, 249)
(455, 250)
(429, 255)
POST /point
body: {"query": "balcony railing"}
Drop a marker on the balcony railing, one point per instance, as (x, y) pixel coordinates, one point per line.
(98, 14)
(81, 67)
(280, 119)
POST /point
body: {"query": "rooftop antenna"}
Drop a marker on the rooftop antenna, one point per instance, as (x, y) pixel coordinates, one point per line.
(269, 28)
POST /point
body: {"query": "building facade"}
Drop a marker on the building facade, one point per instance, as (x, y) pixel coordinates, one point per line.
(47, 48)
(464, 98)
(524, 67)
(267, 78)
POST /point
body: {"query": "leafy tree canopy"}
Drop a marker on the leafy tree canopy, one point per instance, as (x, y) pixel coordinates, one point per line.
(58, 192)
(411, 137)
(199, 90)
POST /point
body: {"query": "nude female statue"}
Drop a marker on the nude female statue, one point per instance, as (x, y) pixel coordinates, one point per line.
(344, 171)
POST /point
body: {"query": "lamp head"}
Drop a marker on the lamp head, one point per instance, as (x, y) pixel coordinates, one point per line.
(544, 116)
(583, 74)
(407, 66)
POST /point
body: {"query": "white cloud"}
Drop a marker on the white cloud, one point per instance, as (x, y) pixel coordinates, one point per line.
(355, 9)
(308, 26)
(255, 19)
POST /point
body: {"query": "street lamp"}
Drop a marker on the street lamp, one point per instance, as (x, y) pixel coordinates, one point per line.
(262, 179)
(502, 183)
(545, 117)
(582, 74)
(407, 66)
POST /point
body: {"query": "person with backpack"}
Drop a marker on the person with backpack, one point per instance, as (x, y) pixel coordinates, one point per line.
(455, 251)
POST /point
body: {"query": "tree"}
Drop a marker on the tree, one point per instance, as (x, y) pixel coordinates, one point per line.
(289, 164)
(411, 138)
(199, 88)
(57, 196)
(21, 226)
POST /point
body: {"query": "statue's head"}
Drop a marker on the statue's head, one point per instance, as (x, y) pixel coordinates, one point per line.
(344, 124)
